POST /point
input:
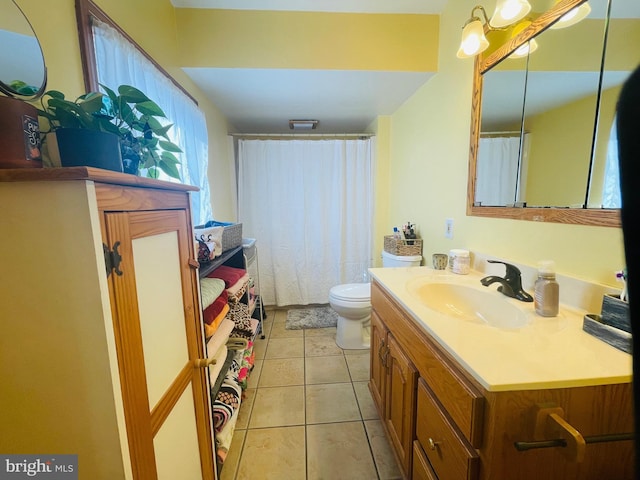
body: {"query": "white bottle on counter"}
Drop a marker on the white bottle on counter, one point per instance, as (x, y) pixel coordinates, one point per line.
(547, 291)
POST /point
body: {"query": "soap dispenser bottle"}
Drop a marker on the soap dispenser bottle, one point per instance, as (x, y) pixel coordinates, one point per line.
(547, 290)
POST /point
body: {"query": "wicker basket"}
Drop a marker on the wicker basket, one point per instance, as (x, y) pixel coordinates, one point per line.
(403, 248)
(231, 233)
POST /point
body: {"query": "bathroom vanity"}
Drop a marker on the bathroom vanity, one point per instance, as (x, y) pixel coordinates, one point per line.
(465, 398)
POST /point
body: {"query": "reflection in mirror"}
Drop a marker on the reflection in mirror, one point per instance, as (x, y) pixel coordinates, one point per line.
(560, 111)
(622, 56)
(491, 63)
(498, 164)
(22, 67)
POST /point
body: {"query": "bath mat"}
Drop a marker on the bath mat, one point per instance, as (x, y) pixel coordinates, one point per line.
(316, 317)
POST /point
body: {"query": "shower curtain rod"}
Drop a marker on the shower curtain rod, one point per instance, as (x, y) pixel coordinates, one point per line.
(302, 135)
(504, 133)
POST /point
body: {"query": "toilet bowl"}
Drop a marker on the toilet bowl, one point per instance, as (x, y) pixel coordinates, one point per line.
(352, 303)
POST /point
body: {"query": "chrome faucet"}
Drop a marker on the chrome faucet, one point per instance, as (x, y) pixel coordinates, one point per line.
(511, 284)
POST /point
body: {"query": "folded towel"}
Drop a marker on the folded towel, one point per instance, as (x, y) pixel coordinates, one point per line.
(216, 368)
(212, 311)
(210, 289)
(210, 330)
(230, 275)
(220, 337)
(236, 291)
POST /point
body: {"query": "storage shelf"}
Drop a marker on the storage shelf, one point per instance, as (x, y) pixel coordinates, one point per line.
(207, 268)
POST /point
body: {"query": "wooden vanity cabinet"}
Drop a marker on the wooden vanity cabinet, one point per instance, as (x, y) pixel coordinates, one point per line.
(461, 431)
(393, 386)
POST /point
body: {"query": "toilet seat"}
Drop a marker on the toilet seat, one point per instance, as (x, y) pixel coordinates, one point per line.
(351, 292)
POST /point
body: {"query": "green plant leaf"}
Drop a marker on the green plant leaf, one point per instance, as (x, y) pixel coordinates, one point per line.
(92, 103)
(170, 169)
(150, 108)
(169, 146)
(131, 94)
(153, 172)
(169, 158)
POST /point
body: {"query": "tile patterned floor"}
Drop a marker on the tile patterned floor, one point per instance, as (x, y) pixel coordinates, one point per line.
(308, 413)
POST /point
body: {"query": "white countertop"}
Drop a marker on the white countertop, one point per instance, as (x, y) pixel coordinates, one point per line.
(545, 353)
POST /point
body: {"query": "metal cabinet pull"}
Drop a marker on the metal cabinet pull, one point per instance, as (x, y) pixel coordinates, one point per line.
(433, 444)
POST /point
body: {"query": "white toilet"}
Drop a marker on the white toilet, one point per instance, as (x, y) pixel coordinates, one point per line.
(352, 303)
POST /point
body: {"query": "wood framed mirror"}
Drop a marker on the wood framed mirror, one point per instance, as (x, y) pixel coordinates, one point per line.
(574, 208)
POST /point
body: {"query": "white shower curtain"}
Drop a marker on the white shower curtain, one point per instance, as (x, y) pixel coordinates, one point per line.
(309, 205)
(497, 170)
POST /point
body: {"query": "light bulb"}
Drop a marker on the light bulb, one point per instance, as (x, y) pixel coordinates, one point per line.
(572, 17)
(508, 12)
(473, 40)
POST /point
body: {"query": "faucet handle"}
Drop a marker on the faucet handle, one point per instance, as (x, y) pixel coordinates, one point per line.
(512, 272)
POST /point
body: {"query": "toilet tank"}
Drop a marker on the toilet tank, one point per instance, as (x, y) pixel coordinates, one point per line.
(390, 260)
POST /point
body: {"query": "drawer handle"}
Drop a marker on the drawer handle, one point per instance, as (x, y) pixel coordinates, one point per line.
(433, 444)
(383, 356)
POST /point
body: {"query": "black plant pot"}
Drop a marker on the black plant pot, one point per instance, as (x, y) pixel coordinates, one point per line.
(88, 148)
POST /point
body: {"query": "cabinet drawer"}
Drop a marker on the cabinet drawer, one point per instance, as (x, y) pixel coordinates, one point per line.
(462, 400)
(451, 457)
(421, 467)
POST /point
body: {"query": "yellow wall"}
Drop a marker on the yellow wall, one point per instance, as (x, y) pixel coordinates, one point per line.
(560, 152)
(427, 142)
(305, 40)
(428, 178)
(151, 23)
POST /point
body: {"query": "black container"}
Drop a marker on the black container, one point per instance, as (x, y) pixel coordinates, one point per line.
(80, 147)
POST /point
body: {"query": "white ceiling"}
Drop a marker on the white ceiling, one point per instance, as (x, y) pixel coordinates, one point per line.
(263, 100)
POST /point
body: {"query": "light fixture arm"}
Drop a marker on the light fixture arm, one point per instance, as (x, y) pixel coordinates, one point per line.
(484, 14)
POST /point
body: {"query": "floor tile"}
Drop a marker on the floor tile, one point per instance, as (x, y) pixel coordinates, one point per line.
(358, 367)
(319, 346)
(277, 407)
(332, 369)
(365, 401)
(260, 347)
(254, 376)
(246, 406)
(230, 466)
(278, 372)
(331, 402)
(339, 451)
(285, 348)
(273, 454)
(279, 331)
(383, 455)
(320, 332)
(358, 351)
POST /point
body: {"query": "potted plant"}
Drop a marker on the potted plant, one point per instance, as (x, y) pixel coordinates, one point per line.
(128, 118)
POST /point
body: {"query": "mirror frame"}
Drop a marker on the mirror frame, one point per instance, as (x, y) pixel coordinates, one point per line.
(582, 216)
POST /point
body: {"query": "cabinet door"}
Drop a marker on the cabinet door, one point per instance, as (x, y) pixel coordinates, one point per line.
(158, 337)
(400, 402)
(378, 371)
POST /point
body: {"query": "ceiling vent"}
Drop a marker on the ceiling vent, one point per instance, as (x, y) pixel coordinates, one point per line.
(303, 124)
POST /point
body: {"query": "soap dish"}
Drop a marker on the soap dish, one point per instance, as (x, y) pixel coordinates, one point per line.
(592, 324)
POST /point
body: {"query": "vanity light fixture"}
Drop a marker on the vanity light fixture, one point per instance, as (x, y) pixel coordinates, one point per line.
(572, 16)
(526, 48)
(473, 38)
(303, 124)
(507, 12)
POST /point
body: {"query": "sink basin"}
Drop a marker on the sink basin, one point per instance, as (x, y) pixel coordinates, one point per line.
(470, 304)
